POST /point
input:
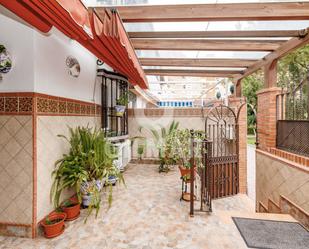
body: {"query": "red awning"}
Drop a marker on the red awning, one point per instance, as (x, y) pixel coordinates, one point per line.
(103, 35)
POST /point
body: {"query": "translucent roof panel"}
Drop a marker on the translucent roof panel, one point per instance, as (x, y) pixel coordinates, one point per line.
(195, 68)
(216, 26)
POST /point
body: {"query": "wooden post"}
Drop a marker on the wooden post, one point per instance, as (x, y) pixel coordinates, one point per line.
(270, 74)
(238, 88)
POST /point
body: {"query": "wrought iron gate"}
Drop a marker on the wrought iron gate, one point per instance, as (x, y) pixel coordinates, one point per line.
(221, 162)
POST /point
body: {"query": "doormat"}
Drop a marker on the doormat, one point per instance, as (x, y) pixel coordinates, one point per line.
(268, 234)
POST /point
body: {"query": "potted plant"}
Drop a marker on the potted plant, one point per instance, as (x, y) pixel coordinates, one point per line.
(164, 144)
(85, 168)
(141, 148)
(121, 104)
(53, 224)
(71, 208)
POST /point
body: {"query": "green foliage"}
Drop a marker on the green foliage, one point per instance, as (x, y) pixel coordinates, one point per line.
(125, 98)
(90, 158)
(141, 150)
(162, 144)
(2, 48)
(48, 221)
(250, 86)
(181, 140)
(293, 67)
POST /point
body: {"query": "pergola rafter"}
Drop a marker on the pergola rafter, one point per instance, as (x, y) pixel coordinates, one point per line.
(185, 62)
(218, 34)
(192, 73)
(276, 42)
(214, 12)
(202, 44)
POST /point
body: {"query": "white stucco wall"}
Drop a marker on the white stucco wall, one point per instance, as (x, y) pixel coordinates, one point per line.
(18, 39)
(51, 75)
(39, 62)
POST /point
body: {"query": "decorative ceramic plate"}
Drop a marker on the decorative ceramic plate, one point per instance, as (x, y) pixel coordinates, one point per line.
(73, 66)
(5, 60)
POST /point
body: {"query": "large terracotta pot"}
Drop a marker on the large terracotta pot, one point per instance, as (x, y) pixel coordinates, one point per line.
(56, 227)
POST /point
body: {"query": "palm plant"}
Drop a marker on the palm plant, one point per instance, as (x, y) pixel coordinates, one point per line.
(160, 139)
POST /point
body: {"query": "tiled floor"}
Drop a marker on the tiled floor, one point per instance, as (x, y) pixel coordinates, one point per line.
(147, 214)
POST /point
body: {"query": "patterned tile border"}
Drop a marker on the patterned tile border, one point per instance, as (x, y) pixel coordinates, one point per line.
(46, 105)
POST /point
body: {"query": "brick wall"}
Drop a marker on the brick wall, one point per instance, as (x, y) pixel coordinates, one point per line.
(241, 110)
(267, 118)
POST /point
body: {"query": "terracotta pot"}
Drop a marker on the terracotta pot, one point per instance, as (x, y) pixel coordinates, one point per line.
(53, 230)
(72, 212)
(184, 172)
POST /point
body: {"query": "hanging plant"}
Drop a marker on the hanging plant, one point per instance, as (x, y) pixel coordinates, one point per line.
(5, 60)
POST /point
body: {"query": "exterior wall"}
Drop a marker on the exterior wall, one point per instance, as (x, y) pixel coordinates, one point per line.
(16, 174)
(267, 118)
(16, 164)
(279, 181)
(157, 117)
(51, 74)
(50, 148)
(21, 77)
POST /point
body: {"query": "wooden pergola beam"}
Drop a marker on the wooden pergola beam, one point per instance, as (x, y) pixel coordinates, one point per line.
(192, 73)
(202, 44)
(217, 34)
(184, 62)
(287, 47)
(214, 12)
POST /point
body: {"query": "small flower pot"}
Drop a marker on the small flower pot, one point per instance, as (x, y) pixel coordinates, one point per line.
(72, 211)
(55, 226)
(120, 109)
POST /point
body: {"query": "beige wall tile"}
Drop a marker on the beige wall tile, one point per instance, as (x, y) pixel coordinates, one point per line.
(16, 169)
(275, 178)
(49, 149)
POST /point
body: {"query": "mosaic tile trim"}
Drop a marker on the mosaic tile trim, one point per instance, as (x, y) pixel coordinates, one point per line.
(17, 103)
(42, 104)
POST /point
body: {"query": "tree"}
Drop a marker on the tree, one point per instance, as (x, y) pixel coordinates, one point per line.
(250, 86)
(292, 69)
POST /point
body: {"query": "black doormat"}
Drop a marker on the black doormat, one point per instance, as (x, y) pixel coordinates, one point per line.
(266, 234)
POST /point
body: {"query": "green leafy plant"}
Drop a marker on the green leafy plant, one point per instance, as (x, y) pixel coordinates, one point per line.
(181, 139)
(163, 144)
(90, 159)
(123, 99)
(141, 150)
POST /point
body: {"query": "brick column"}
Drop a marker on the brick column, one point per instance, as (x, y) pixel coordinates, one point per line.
(238, 104)
(267, 117)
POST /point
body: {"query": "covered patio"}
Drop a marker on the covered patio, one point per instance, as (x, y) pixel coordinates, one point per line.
(136, 116)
